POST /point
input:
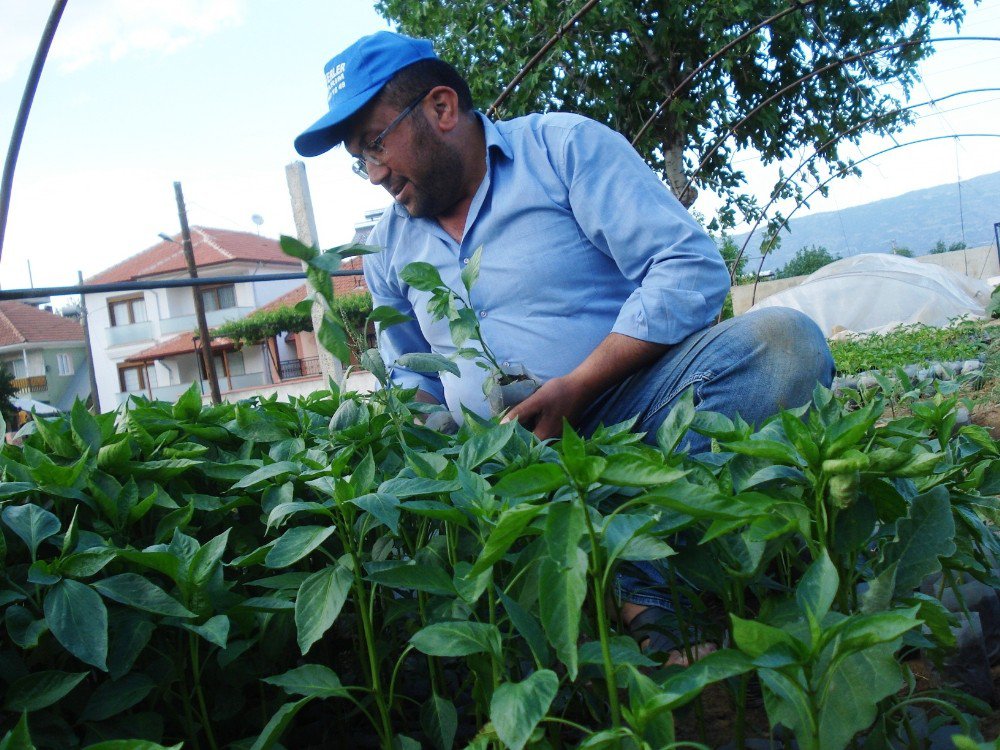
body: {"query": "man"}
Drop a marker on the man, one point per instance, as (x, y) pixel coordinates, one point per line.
(593, 277)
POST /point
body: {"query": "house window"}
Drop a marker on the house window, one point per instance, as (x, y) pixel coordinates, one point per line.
(219, 297)
(132, 378)
(236, 364)
(126, 311)
(64, 362)
(20, 369)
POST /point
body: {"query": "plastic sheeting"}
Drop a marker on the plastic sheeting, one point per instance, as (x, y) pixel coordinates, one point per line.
(875, 292)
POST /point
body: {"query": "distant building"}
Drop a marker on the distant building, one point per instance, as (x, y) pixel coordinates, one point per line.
(143, 342)
(45, 353)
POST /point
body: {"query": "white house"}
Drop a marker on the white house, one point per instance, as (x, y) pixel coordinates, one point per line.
(143, 342)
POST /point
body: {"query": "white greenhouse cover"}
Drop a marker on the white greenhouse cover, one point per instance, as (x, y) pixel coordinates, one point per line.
(877, 292)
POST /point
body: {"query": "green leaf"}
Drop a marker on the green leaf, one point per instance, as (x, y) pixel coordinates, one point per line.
(623, 649)
(310, 680)
(529, 628)
(31, 523)
(564, 526)
(79, 621)
(84, 428)
(926, 534)
(470, 274)
(215, 630)
(684, 687)
(387, 316)
(416, 576)
(113, 697)
(297, 249)
(439, 720)
(278, 723)
(458, 638)
(87, 563)
(428, 362)
(132, 745)
(850, 694)
(333, 338)
(422, 276)
(23, 628)
(485, 445)
(274, 473)
(135, 591)
(18, 738)
(188, 406)
(672, 430)
(536, 479)
(507, 531)
(206, 559)
(328, 261)
(41, 689)
(318, 603)
(560, 608)
(629, 470)
(517, 707)
(756, 638)
(383, 507)
(770, 450)
(295, 544)
(818, 587)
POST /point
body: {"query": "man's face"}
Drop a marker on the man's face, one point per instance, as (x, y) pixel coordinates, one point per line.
(419, 168)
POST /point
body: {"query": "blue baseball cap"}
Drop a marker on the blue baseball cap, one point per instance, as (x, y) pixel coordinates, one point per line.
(353, 78)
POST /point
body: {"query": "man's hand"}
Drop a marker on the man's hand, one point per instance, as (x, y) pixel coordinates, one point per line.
(614, 359)
(543, 411)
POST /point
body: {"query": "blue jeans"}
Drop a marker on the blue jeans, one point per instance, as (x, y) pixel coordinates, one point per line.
(753, 365)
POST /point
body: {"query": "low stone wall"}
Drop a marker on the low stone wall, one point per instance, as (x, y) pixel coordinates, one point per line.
(977, 262)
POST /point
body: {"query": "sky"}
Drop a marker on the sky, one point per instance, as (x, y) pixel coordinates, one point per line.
(137, 95)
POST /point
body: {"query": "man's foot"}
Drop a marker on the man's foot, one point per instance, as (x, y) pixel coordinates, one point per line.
(647, 626)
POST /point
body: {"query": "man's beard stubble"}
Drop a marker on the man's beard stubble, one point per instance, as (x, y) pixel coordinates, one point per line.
(438, 185)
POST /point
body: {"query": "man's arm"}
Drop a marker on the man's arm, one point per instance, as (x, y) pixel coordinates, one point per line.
(569, 396)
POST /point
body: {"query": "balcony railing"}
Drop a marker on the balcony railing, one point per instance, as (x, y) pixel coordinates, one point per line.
(30, 384)
(129, 334)
(171, 393)
(298, 368)
(183, 323)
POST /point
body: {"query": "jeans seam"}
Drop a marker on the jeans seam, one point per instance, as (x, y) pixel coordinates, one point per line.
(696, 380)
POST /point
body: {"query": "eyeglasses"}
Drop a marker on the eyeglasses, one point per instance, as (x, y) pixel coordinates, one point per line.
(374, 152)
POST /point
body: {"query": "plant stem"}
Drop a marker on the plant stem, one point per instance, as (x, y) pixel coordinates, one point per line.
(603, 632)
(199, 693)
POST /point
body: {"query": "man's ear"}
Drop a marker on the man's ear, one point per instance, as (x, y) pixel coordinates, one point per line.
(445, 111)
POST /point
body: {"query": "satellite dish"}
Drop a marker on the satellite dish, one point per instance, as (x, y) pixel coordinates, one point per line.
(257, 219)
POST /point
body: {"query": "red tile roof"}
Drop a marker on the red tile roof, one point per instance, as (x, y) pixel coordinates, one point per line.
(288, 299)
(21, 324)
(182, 343)
(350, 284)
(211, 247)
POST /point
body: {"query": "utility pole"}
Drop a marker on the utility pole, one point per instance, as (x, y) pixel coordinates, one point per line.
(305, 228)
(199, 303)
(90, 349)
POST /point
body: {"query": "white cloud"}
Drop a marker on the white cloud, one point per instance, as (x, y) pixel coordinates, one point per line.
(109, 29)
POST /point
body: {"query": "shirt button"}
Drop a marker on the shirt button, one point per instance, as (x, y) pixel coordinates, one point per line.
(506, 364)
(482, 313)
(465, 261)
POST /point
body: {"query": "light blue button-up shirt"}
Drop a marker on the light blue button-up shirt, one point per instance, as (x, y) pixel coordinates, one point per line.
(580, 239)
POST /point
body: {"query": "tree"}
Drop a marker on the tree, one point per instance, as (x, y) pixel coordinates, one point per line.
(807, 260)
(939, 247)
(905, 252)
(7, 410)
(625, 57)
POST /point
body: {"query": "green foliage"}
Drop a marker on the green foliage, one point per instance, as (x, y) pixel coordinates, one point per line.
(248, 574)
(7, 391)
(909, 345)
(264, 324)
(941, 247)
(903, 252)
(806, 260)
(622, 59)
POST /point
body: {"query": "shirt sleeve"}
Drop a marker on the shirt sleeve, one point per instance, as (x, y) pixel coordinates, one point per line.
(630, 215)
(402, 338)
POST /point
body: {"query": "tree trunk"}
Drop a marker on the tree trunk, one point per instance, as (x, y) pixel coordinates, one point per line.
(673, 165)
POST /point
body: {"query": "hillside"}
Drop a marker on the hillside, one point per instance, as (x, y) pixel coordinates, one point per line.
(914, 220)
